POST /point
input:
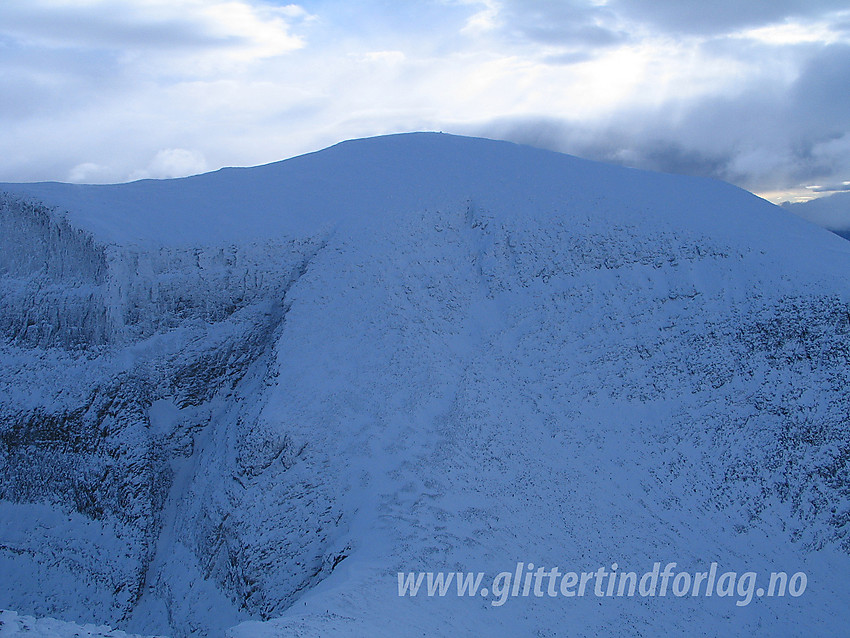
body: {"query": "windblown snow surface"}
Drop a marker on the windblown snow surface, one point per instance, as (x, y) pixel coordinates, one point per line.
(240, 403)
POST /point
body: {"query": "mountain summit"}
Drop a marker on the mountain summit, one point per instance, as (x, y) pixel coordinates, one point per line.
(247, 401)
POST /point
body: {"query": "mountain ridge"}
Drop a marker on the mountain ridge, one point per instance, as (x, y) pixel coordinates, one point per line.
(401, 168)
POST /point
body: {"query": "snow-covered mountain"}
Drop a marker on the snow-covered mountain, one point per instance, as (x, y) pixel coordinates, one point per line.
(831, 211)
(242, 402)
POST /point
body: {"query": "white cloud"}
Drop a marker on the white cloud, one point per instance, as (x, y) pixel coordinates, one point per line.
(484, 20)
(230, 82)
(91, 173)
(172, 162)
(263, 31)
(385, 57)
(795, 32)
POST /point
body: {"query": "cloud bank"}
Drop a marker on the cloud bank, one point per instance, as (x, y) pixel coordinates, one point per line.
(752, 93)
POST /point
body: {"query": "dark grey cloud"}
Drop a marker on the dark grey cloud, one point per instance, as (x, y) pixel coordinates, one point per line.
(630, 141)
(574, 25)
(582, 29)
(719, 16)
(766, 137)
(570, 56)
(109, 26)
(820, 95)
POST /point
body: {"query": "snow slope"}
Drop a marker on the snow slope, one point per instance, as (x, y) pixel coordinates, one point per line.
(13, 624)
(242, 402)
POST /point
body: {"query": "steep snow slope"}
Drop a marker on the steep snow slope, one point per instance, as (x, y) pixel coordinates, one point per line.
(257, 395)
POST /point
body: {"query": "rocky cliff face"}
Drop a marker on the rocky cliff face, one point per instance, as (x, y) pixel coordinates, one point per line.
(115, 361)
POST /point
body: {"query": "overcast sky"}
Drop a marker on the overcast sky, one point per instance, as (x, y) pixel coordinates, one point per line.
(751, 91)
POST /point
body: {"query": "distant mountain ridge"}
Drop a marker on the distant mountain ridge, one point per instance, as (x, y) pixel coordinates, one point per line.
(830, 211)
